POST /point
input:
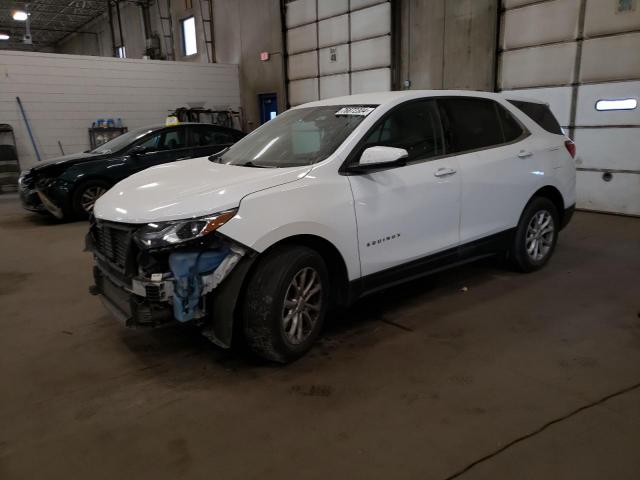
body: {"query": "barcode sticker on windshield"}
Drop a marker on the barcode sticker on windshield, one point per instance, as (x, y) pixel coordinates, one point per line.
(361, 111)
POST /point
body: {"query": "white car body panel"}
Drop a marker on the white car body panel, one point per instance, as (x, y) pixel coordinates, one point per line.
(403, 212)
(320, 204)
(486, 195)
(186, 189)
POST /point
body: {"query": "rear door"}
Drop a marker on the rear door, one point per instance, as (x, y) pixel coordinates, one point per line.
(209, 139)
(409, 212)
(496, 157)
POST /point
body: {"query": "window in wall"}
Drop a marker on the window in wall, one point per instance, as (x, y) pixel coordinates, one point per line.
(189, 43)
(121, 52)
(619, 104)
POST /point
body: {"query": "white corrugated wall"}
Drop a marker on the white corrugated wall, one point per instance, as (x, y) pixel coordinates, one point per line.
(573, 53)
(64, 94)
(337, 47)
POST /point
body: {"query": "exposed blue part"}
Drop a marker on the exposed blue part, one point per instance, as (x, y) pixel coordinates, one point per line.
(187, 269)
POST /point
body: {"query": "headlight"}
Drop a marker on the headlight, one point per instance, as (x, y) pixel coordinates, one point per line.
(23, 175)
(165, 234)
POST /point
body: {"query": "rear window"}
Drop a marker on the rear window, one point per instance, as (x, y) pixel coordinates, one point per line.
(539, 113)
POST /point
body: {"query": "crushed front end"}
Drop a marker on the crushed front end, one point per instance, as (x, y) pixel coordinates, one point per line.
(153, 274)
(28, 192)
(43, 191)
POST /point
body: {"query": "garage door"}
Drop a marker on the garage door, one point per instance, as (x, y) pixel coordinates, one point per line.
(337, 47)
(581, 57)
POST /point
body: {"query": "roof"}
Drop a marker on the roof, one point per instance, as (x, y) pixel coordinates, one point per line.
(51, 21)
(382, 98)
(162, 125)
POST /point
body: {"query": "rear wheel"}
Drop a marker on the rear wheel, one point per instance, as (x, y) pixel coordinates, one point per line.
(285, 303)
(85, 196)
(536, 236)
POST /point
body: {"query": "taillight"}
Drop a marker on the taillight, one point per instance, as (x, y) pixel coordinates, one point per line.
(571, 148)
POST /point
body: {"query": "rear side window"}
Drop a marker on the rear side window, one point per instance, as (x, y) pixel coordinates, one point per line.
(539, 113)
(414, 126)
(476, 123)
(511, 129)
(203, 136)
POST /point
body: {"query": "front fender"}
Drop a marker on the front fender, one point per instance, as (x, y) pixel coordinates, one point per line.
(322, 207)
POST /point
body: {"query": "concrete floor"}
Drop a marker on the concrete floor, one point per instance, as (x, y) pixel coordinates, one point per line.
(522, 376)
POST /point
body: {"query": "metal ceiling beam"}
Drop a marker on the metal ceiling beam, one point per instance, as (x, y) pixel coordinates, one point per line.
(51, 20)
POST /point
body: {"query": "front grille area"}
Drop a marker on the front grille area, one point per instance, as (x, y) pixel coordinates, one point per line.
(114, 243)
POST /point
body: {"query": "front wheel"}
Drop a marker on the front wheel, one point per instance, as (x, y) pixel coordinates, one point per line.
(285, 303)
(85, 196)
(536, 236)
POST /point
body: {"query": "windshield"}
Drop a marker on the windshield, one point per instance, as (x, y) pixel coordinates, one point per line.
(122, 141)
(298, 137)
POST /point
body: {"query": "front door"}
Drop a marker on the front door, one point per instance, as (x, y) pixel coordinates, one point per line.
(167, 145)
(407, 213)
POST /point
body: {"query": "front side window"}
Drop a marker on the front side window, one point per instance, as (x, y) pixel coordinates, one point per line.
(301, 136)
(415, 127)
(189, 42)
(165, 140)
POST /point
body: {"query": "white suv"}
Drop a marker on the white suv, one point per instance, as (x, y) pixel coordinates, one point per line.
(328, 202)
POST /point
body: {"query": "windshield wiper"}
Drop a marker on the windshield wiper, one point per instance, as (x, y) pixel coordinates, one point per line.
(254, 165)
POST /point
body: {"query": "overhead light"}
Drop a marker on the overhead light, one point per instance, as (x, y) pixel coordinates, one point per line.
(617, 104)
(4, 36)
(20, 15)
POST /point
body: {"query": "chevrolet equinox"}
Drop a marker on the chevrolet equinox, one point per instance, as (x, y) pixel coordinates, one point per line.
(326, 203)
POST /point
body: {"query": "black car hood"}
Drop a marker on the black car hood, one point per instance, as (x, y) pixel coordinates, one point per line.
(60, 163)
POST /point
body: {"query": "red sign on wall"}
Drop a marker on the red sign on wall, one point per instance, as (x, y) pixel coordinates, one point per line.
(264, 56)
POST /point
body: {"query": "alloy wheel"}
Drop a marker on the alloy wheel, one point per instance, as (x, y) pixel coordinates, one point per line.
(302, 305)
(89, 197)
(540, 235)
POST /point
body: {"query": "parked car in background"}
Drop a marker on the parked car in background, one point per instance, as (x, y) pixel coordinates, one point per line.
(68, 186)
(328, 202)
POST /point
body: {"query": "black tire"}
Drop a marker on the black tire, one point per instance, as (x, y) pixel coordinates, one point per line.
(78, 211)
(522, 259)
(264, 312)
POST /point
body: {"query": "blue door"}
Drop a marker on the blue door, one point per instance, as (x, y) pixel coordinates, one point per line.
(268, 106)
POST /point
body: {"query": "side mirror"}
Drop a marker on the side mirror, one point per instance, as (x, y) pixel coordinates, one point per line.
(380, 158)
(138, 150)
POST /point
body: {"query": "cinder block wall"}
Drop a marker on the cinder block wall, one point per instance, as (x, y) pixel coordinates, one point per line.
(64, 94)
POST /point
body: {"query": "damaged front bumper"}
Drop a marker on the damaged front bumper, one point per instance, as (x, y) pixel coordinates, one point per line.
(200, 286)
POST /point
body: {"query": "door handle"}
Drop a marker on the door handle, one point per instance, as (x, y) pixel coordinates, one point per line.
(525, 154)
(444, 172)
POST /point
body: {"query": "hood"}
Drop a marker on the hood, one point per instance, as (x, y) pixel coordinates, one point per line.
(187, 189)
(66, 161)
